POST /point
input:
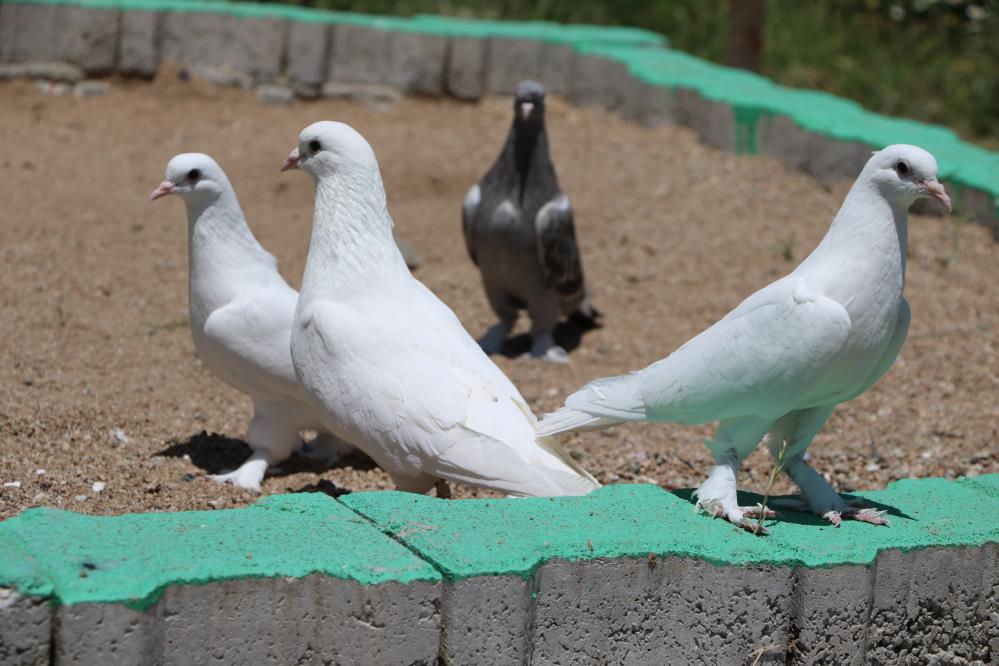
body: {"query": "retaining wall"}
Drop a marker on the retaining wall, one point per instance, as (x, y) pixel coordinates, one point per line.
(622, 69)
(630, 574)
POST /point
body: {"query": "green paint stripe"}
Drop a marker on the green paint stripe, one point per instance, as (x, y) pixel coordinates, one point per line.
(498, 537)
(131, 559)
(380, 537)
(753, 98)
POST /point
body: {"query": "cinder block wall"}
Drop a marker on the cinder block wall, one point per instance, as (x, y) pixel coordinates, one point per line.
(622, 69)
(627, 574)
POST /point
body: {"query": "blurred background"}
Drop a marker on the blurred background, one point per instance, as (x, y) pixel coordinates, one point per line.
(931, 60)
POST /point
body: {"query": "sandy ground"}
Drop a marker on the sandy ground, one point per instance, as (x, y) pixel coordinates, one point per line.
(98, 377)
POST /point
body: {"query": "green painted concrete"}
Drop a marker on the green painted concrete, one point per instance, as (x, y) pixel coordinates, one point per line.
(515, 536)
(75, 558)
(131, 559)
(751, 96)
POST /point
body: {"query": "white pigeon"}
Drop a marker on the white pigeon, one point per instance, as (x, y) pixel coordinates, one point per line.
(387, 364)
(782, 360)
(241, 311)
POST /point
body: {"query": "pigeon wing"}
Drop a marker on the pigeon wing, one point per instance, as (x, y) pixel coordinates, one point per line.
(469, 209)
(761, 359)
(252, 337)
(557, 249)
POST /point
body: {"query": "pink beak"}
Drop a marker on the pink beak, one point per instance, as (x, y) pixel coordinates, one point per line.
(936, 190)
(292, 161)
(164, 188)
(525, 110)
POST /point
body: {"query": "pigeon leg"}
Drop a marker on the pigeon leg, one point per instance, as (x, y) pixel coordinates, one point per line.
(272, 440)
(326, 448)
(248, 475)
(544, 347)
(492, 342)
(733, 441)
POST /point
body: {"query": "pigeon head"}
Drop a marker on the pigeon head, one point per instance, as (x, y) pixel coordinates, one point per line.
(194, 176)
(529, 103)
(327, 148)
(904, 174)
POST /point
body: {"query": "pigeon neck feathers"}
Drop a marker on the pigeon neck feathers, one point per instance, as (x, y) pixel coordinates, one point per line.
(352, 246)
(219, 238)
(524, 170)
(869, 225)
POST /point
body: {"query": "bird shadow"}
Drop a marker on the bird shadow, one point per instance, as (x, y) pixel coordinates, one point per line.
(798, 517)
(568, 335)
(215, 453)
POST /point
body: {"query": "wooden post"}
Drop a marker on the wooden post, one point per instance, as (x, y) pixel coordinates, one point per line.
(744, 34)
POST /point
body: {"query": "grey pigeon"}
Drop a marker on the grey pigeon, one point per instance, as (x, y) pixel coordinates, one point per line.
(519, 231)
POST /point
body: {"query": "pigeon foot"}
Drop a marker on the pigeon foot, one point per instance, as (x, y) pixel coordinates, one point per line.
(494, 339)
(325, 448)
(241, 478)
(867, 515)
(248, 475)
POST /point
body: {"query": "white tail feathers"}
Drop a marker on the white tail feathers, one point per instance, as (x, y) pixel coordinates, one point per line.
(600, 404)
(571, 420)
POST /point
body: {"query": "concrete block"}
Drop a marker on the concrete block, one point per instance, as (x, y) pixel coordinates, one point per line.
(275, 95)
(138, 43)
(485, 620)
(831, 606)
(250, 49)
(316, 619)
(650, 105)
(557, 68)
(359, 55)
(47, 33)
(25, 629)
(598, 81)
(97, 633)
(466, 68)
(416, 63)
(979, 206)
(661, 611)
(714, 121)
(834, 159)
(510, 61)
(308, 57)
(935, 605)
(784, 139)
(49, 71)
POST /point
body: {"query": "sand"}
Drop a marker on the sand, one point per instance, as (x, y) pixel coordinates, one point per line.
(98, 378)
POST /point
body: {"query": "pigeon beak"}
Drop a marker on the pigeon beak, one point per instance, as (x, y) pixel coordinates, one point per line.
(164, 188)
(936, 190)
(292, 161)
(525, 110)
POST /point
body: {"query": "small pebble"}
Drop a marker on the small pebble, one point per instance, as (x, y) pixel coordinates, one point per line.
(98, 486)
(12, 484)
(277, 95)
(39, 472)
(118, 436)
(91, 88)
(80, 498)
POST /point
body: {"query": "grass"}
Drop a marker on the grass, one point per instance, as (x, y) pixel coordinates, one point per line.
(774, 473)
(932, 60)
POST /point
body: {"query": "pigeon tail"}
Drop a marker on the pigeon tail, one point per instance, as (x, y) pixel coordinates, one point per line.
(600, 404)
(572, 420)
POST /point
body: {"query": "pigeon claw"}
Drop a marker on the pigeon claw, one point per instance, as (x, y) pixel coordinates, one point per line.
(866, 515)
(238, 478)
(758, 511)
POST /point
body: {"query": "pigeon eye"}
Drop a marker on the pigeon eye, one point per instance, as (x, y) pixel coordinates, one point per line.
(193, 175)
(902, 169)
(315, 146)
